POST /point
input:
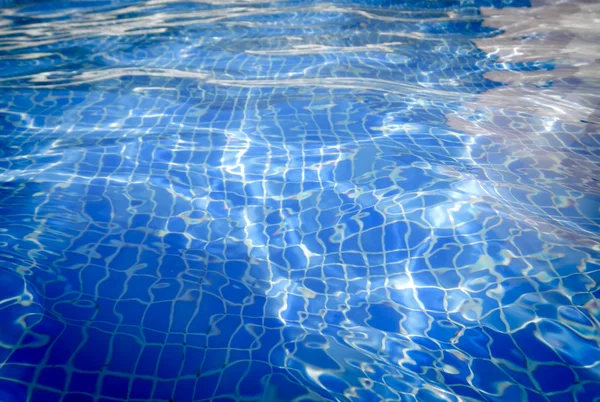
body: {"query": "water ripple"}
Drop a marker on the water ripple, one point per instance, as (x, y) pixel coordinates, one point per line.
(299, 200)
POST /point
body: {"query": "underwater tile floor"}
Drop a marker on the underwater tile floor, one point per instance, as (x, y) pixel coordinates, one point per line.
(299, 200)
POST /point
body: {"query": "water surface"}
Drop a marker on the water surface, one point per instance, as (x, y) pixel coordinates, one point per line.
(299, 200)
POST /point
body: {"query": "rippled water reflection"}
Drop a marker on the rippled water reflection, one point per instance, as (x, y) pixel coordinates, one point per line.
(299, 200)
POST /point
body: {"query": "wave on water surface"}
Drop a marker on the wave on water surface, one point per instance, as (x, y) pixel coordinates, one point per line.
(299, 200)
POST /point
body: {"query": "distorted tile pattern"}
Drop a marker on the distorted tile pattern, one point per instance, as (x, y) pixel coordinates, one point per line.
(289, 201)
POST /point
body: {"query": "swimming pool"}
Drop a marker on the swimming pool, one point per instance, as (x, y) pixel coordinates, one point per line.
(299, 200)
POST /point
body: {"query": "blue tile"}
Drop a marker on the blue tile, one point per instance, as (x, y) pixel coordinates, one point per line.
(115, 387)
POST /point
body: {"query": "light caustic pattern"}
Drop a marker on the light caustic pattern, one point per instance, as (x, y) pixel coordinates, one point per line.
(301, 200)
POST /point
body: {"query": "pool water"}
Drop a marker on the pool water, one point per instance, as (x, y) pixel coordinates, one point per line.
(305, 200)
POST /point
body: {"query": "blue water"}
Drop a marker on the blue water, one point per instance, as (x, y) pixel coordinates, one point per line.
(299, 201)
